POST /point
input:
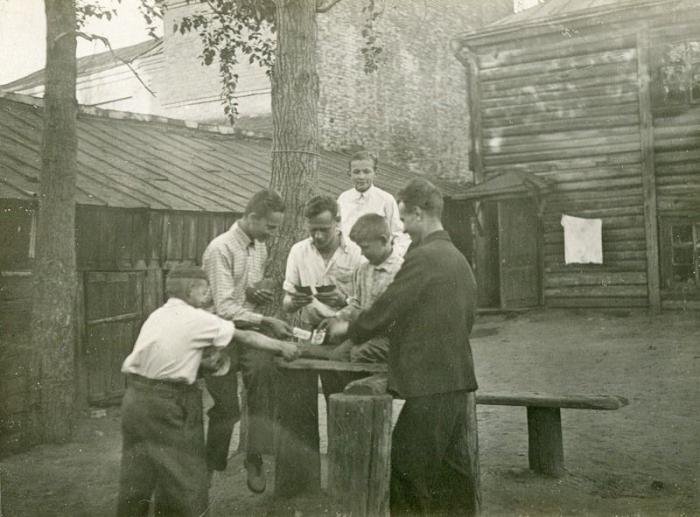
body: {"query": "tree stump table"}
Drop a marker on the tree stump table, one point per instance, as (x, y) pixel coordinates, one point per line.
(297, 456)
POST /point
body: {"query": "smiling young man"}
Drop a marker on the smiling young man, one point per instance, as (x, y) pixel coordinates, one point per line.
(366, 198)
(235, 262)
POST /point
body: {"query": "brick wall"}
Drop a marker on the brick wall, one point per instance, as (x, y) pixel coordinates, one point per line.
(192, 91)
(413, 110)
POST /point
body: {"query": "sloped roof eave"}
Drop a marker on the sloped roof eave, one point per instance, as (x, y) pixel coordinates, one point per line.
(126, 160)
(510, 184)
(92, 63)
(503, 27)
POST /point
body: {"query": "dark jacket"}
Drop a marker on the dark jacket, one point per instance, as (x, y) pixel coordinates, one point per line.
(428, 312)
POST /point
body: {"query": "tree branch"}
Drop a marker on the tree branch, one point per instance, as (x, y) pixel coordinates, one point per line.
(320, 8)
(105, 41)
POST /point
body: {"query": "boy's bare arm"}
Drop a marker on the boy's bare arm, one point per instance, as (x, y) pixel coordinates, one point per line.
(261, 342)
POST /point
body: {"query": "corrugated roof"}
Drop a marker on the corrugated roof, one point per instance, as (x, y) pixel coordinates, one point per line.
(92, 63)
(129, 160)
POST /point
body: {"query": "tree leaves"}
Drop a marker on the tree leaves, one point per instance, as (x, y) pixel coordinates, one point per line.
(372, 49)
(230, 30)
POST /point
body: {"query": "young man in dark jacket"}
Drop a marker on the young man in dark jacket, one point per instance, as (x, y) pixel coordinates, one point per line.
(428, 312)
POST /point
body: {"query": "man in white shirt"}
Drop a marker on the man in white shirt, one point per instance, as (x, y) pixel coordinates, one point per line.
(366, 198)
(318, 278)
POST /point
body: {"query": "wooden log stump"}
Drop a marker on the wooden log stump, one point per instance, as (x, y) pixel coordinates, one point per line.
(372, 385)
(359, 453)
(545, 444)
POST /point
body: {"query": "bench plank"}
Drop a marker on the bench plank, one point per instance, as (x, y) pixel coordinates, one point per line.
(606, 402)
(376, 385)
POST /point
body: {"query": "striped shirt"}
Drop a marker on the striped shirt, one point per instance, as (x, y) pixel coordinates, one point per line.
(232, 262)
(368, 282)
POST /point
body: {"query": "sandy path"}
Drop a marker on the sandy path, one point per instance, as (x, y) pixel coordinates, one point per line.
(641, 460)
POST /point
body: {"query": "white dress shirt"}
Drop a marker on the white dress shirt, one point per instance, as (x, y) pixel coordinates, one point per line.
(306, 267)
(169, 346)
(353, 204)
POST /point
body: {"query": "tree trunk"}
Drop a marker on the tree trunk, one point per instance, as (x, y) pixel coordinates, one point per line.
(295, 122)
(54, 290)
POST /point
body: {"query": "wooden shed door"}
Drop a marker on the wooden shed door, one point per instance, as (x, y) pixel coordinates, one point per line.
(518, 238)
(113, 316)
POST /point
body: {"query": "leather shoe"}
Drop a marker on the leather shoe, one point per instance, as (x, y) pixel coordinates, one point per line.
(256, 476)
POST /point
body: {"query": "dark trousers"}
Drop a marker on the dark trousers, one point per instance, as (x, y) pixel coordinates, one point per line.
(432, 472)
(258, 371)
(163, 450)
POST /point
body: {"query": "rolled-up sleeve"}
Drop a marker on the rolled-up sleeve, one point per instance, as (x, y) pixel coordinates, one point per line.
(225, 335)
(291, 274)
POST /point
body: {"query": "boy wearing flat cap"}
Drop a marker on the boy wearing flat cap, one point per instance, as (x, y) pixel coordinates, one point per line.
(163, 437)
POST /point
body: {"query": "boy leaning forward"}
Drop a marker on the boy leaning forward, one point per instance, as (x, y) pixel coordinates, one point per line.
(162, 429)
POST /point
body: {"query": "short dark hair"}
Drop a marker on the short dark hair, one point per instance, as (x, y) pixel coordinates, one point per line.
(422, 194)
(181, 280)
(363, 154)
(370, 227)
(319, 204)
(264, 203)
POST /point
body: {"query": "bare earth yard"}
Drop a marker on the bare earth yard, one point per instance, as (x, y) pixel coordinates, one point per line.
(641, 460)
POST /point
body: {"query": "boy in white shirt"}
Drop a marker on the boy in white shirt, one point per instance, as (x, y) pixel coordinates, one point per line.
(366, 198)
(162, 430)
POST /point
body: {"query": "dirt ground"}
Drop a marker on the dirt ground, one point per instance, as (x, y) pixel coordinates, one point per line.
(643, 459)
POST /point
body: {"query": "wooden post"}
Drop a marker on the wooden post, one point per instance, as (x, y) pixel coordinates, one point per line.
(469, 59)
(545, 444)
(297, 456)
(359, 453)
(646, 130)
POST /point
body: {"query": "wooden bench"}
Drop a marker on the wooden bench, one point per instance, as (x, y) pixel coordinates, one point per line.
(298, 437)
(545, 443)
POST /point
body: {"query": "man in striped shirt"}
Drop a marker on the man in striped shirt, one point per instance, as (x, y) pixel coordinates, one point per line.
(234, 263)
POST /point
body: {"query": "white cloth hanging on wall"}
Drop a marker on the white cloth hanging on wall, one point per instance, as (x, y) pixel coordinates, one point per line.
(583, 240)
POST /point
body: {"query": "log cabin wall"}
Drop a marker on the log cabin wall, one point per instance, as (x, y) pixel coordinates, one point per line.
(566, 107)
(604, 100)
